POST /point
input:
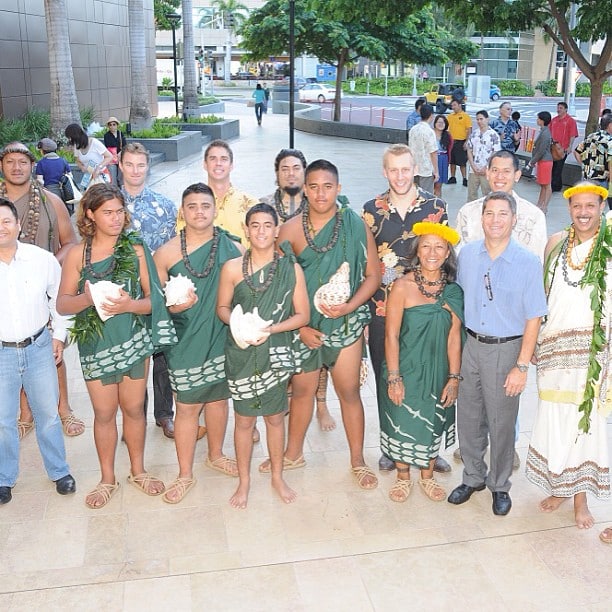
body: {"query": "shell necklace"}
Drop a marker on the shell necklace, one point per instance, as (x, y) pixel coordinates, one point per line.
(280, 208)
(211, 256)
(308, 229)
(99, 275)
(247, 264)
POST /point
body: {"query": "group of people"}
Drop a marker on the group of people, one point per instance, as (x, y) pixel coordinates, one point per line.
(282, 287)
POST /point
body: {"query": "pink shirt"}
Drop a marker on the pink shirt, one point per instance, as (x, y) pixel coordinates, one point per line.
(563, 130)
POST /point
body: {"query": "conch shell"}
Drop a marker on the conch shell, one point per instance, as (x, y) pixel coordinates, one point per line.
(247, 327)
(177, 289)
(102, 290)
(336, 291)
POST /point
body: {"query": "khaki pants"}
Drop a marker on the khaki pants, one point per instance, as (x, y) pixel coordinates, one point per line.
(475, 181)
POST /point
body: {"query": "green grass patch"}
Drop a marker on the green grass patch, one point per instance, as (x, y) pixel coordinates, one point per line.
(194, 120)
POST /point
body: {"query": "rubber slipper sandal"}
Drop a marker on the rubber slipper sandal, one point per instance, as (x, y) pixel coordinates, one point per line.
(181, 486)
(144, 481)
(606, 536)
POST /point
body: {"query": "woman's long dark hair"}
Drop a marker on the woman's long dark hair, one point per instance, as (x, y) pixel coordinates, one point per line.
(76, 136)
(445, 137)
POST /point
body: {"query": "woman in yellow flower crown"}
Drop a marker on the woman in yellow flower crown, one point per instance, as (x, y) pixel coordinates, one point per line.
(420, 375)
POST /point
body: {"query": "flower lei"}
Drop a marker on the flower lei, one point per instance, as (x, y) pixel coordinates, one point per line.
(88, 326)
(595, 276)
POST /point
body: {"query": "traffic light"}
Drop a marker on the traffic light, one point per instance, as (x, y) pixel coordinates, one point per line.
(230, 21)
(201, 55)
(561, 58)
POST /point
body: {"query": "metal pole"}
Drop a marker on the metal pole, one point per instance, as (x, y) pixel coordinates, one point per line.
(175, 70)
(570, 87)
(414, 81)
(291, 71)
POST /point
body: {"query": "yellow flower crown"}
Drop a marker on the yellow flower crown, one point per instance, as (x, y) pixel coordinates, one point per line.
(586, 188)
(444, 231)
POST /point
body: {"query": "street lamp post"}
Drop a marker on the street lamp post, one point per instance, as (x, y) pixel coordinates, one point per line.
(174, 18)
(291, 71)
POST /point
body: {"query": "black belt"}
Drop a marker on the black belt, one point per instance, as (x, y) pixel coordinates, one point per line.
(491, 339)
(23, 343)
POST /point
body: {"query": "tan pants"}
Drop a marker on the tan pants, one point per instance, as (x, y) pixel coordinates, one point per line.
(475, 181)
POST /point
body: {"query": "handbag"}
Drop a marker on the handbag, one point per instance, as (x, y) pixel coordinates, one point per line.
(557, 151)
(70, 192)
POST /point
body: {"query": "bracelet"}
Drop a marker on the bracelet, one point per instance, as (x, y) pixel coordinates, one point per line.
(393, 373)
(395, 381)
(456, 376)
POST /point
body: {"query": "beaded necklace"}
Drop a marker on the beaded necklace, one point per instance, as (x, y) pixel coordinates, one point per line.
(99, 275)
(264, 283)
(280, 209)
(307, 228)
(421, 281)
(211, 258)
(570, 243)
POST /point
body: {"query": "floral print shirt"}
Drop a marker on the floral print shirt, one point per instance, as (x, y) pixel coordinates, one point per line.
(596, 151)
(153, 216)
(393, 236)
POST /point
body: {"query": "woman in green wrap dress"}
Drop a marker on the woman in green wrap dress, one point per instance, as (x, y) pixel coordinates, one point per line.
(420, 373)
(114, 353)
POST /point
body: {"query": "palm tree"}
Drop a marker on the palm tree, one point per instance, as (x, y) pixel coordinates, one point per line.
(64, 106)
(190, 91)
(140, 113)
(237, 10)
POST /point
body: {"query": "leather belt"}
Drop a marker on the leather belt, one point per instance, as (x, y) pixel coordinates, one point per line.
(491, 339)
(23, 343)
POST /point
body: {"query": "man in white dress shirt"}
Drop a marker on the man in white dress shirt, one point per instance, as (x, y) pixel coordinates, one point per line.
(29, 352)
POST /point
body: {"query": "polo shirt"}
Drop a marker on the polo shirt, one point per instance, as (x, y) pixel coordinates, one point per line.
(459, 125)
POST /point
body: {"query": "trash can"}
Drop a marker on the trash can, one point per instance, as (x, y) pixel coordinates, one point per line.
(352, 85)
(280, 98)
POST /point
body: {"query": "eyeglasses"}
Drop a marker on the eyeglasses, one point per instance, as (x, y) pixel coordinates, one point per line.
(487, 282)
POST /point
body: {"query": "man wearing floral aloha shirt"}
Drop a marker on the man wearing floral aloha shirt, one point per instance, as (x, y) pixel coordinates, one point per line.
(391, 216)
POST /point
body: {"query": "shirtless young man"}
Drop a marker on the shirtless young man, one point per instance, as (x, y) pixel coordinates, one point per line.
(323, 237)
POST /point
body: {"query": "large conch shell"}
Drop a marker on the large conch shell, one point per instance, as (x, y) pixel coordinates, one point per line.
(102, 290)
(177, 290)
(247, 327)
(336, 291)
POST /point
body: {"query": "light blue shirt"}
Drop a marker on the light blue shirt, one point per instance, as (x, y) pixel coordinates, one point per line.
(153, 215)
(517, 289)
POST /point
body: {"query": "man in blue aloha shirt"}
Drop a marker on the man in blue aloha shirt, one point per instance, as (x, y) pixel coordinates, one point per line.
(154, 216)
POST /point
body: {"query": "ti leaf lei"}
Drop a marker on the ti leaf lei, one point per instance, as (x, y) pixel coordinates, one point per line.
(595, 276)
(88, 326)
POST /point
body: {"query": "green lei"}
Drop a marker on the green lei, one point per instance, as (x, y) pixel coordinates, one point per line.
(595, 276)
(88, 326)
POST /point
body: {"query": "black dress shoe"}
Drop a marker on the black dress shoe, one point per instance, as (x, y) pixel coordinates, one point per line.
(452, 181)
(385, 464)
(501, 503)
(167, 425)
(465, 183)
(65, 485)
(442, 466)
(462, 493)
(5, 495)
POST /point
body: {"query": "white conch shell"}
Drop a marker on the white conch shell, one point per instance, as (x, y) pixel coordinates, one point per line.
(177, 288)
(336, 291)
(247, 327)
(102, 290)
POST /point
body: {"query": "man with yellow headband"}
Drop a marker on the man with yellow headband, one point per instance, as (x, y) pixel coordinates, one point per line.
(568, 454)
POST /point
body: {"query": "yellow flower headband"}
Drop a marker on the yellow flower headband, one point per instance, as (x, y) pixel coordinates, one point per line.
(444, 231)
(586, 188)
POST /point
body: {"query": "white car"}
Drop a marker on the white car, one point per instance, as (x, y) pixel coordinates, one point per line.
(317, 92)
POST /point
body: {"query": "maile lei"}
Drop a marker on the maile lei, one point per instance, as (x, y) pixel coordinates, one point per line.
(123, 270)
(595, 276)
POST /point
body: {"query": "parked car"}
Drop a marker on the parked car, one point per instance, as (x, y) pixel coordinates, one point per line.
(298, 82)
(244, 76)
(317, 92)
(495, 93)
(441, 94)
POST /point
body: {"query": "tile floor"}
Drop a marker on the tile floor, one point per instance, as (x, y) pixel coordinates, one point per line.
(337, 547)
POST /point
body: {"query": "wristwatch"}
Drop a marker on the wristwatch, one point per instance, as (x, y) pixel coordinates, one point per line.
(523, 367)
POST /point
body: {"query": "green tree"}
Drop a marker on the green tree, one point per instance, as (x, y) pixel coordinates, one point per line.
(160, 9)
(236, 12)
(64, 106)
(593, 19)
(416, 38)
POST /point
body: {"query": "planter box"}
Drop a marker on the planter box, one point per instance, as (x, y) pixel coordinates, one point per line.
(175, 147)
(225, 130)
(208, 109)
